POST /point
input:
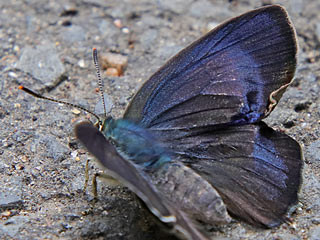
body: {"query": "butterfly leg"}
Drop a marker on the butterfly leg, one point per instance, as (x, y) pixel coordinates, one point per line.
(86, 176)
(110, 181)
(94, 185)
(105, 176)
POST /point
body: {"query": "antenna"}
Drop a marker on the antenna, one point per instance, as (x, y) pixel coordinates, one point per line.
(27, 90)
(96, 63)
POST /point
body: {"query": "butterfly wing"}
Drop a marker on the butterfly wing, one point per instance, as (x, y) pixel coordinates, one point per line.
(234, 74)
(255, 169)
(128, 174)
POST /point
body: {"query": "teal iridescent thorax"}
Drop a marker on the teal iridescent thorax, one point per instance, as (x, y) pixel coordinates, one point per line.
(135, 143)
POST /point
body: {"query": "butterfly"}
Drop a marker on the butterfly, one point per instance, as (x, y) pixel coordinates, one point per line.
(192, 144)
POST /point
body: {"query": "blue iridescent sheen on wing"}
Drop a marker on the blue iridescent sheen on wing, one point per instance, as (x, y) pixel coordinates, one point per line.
(255, 169)
(200, 101)
(225, 77)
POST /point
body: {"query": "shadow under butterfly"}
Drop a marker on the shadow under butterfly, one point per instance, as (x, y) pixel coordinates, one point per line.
(192, 144)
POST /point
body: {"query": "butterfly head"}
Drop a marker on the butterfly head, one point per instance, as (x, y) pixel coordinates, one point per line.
(103, 123)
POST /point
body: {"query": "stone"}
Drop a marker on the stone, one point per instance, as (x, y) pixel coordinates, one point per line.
(43, 63)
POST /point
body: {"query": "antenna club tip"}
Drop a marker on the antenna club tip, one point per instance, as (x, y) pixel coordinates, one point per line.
(21, 87)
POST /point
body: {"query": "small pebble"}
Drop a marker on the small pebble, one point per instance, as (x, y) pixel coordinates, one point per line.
(76, 111)
(16, 48)
(6, 214)
(117, 23)
(74, 154)
(81, 63)
(12, 74)
(316, 221)
(112, 72)
(125, 30)
(19, 167)
(113, 60)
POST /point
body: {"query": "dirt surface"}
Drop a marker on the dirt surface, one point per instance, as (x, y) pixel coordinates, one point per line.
(47, 46)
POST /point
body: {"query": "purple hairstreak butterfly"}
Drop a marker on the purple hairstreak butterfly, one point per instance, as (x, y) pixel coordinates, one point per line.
(192, 144)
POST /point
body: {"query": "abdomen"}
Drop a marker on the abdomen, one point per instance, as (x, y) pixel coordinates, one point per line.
(189, 192)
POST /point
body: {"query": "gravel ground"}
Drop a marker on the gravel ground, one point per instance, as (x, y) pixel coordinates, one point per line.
(47, 46)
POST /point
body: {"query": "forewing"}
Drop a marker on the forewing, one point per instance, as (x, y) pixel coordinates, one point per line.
(234, 74)
(132, 177)
(256, 170)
